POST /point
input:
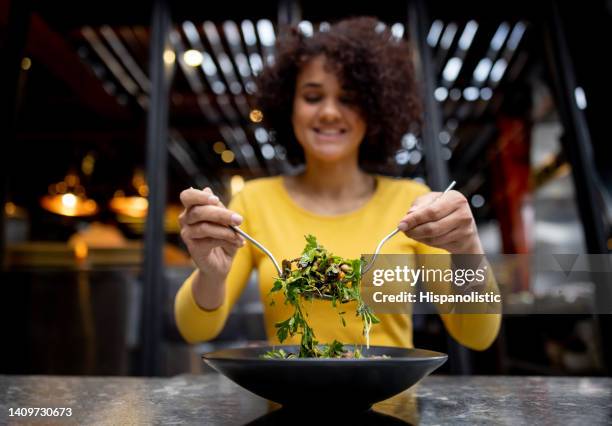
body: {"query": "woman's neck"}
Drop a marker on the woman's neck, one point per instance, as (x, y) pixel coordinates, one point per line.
(331, 188)
(335, 181)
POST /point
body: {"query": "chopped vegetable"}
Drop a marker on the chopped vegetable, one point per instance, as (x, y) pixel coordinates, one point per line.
(319, 273)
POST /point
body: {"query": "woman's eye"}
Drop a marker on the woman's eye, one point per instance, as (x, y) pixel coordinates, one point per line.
(311, 99)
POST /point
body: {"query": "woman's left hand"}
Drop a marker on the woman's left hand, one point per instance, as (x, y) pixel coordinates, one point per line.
(443, 221)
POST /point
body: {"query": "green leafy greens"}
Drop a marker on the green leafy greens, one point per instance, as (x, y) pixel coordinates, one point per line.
(318, 273)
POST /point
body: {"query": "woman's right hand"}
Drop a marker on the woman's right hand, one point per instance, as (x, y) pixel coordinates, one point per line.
(205, 231)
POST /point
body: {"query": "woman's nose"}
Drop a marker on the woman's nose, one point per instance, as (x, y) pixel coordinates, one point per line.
(329, 111)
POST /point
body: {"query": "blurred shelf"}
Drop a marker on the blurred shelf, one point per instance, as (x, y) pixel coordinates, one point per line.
(64, 256)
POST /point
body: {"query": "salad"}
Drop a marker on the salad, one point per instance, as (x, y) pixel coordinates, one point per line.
(319, 273)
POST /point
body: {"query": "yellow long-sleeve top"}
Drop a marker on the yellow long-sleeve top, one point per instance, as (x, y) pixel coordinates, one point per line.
(273, 218)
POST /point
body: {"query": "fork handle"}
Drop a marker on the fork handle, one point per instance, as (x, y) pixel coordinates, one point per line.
(396, 230)
(259, 246)
(383, 241)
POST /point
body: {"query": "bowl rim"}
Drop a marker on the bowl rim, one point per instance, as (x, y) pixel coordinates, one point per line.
(423, 355)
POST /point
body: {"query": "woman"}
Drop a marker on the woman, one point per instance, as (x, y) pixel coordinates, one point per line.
(339, 101)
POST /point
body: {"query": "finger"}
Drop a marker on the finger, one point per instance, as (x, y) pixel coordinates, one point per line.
(461, 217)
(215, 201)
(433, 229)
(212, 230)
(206, 245)
(192, 197)
(229, 248)
(431, 197)
(211, 200)
(212, 213)
(432, 212)
(423, 200)
(450, 237)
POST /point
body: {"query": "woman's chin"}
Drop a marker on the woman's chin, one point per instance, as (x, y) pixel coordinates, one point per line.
(329, 153)
(329, 156)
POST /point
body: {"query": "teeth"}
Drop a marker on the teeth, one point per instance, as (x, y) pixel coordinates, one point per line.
(330, 132)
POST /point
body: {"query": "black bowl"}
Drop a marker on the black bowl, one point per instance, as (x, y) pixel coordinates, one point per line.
(326, 382)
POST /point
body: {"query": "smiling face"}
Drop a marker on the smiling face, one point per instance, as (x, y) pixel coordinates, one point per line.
(326, 119)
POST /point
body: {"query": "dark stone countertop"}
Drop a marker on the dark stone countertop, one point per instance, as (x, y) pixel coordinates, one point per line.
(211, 399)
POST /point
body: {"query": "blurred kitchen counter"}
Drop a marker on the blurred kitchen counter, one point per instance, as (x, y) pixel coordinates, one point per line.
(212, 399)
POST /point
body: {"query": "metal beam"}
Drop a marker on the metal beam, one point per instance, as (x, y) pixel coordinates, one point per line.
(16, 37)
(579, 146)
(289, 13)
(156, 165)
(435, 165)
(579, 149)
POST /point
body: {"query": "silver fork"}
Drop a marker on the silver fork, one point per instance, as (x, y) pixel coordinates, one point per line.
(396, 230)
(369, 264)
(260, 247)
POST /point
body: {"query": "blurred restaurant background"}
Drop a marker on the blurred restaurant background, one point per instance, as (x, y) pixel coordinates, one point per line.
(110, 109)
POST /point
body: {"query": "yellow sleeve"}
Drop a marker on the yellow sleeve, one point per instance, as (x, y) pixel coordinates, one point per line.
(475, 331)
(196, 324)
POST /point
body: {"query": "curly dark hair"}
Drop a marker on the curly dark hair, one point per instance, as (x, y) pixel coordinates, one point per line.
(367, 60)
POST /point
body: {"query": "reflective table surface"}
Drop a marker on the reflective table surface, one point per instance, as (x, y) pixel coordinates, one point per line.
(211, 399)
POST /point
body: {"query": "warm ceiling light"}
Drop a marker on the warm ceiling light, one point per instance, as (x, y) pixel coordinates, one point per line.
(69, 205)
(88, 164)
(256, 116)
(227, 156)
(81, 250)
(219, 147)
(13, 211)
(139, 183)
(26, 63)
(143, 190)
(134, 207)
(71, 180)
(61, 187)
(67, 198)
(69, 201)
(10, 209)
(137, 224)
(193, 58)
(169, 57)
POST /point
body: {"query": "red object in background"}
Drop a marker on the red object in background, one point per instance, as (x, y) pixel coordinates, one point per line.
(510, 167)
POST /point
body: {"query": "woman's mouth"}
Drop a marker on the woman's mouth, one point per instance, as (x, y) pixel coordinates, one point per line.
(329, 134)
